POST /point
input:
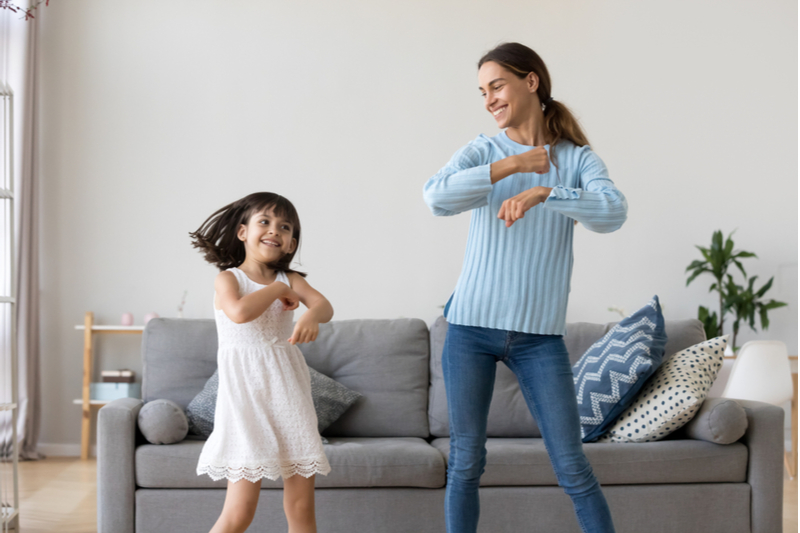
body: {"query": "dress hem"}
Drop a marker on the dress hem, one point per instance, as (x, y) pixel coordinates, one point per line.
(270, 471)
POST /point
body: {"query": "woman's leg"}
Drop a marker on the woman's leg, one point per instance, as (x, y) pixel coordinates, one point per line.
(241, 500)
(542, 366)
(469, 368)
(298, 504)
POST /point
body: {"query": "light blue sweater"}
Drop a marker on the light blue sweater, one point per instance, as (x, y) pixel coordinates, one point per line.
(518, 278)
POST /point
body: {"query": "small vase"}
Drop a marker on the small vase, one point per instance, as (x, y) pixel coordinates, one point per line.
(127, 319)
(149, 316)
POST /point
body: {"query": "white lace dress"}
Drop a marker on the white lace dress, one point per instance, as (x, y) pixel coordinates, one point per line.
(264, 422)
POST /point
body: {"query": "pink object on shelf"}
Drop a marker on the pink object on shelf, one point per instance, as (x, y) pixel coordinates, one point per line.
(127, 319)
(149, 316)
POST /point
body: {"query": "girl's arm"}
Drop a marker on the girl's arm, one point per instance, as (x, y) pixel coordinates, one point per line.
(249, 307)
(319, 310)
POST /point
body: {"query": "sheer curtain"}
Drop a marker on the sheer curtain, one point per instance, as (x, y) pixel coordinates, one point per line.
(18, 70)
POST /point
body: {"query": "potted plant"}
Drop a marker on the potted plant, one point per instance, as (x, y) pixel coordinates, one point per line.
(743, 302)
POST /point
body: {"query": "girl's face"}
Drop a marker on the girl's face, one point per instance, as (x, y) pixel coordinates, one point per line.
(267, 237)
(508, 98)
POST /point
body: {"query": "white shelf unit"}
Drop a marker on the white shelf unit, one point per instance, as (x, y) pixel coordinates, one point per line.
(9, 375)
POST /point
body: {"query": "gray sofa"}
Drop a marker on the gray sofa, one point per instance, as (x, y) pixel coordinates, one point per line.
(389, 452)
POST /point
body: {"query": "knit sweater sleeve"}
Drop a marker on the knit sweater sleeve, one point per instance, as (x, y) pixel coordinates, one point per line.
(597, 203)
(463, 184)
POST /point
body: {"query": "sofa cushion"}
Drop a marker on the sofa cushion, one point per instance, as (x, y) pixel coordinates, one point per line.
(508, 413)
(355, 462)
(672, 396)
(525, 462)
(386, 361)
(178, 357)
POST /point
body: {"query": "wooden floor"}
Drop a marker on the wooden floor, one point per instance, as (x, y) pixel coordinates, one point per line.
(59, 494)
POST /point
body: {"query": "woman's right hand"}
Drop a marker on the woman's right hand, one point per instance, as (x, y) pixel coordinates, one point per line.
(534, 160)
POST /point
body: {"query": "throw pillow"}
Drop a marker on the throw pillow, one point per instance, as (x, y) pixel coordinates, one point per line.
(613, 370)
(163, 422)
(719, 420)
(200, 410)
(672, 396)
(331, 400)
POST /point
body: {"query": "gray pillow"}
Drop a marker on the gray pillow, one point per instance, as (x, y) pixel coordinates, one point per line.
(163, 422)
(331, 400)
(719, 420)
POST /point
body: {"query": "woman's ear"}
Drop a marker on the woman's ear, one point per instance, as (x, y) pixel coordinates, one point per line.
(533, 82)
(242, 233)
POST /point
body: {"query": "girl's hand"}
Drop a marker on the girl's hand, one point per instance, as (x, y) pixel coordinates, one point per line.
(289, 298)
(535, 160)
(515, 207)
(305, 330)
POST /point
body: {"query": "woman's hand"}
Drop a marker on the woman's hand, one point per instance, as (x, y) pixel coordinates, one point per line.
(305, 330)
(515, 207)
(534, 160)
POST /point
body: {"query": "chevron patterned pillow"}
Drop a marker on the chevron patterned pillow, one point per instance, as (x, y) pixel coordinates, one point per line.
(672, 396)
(613, 370)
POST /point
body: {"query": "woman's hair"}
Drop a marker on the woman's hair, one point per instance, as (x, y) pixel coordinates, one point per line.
(521, 60)
(217, 237)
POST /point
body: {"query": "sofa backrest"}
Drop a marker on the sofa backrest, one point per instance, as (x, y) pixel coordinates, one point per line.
(384, 360)
(508, 414)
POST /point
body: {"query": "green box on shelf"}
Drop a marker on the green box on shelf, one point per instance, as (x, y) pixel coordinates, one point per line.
(114, 391)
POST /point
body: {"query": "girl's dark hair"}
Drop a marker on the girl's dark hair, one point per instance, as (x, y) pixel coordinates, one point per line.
(521, 60)
(216, 237)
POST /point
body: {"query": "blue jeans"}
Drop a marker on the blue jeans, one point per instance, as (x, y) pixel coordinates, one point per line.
(541, 364)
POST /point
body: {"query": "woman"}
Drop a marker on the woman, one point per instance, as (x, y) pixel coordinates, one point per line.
(526, 187)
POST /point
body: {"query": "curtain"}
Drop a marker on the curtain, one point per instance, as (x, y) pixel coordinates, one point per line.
(18, 39)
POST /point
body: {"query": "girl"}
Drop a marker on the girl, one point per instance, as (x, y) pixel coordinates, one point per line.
(265, 423)
(510, 302)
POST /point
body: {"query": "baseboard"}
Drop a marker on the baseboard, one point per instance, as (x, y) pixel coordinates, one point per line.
(64, 450)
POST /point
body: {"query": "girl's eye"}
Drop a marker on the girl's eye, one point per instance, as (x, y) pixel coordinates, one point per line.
(287, 228)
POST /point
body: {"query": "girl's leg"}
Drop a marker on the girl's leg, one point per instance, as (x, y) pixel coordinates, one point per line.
(469, 368)
(542, 366)
(298, 504)
(241, 500)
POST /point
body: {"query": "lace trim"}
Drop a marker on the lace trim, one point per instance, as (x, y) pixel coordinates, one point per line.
(270, 471)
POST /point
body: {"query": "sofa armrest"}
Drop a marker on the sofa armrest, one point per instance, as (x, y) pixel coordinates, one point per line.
(116, 476)
(764, 441)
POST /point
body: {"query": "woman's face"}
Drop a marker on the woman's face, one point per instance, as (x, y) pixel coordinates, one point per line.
(508, 98)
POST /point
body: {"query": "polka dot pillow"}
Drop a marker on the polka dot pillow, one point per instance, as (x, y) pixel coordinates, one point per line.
(672, 396)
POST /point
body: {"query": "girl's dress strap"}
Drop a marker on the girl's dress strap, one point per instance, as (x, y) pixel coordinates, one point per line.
(284, 278)
(239, 275)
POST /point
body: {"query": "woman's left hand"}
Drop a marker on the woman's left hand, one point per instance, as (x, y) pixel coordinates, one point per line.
(305, 330)
(515, 207)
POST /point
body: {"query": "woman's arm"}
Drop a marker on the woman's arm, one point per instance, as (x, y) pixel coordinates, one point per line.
(598, 204)
(463, 184)
(319, 311)
(251, 306)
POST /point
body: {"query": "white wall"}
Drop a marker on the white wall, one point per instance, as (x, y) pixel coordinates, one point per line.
(154, 114)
